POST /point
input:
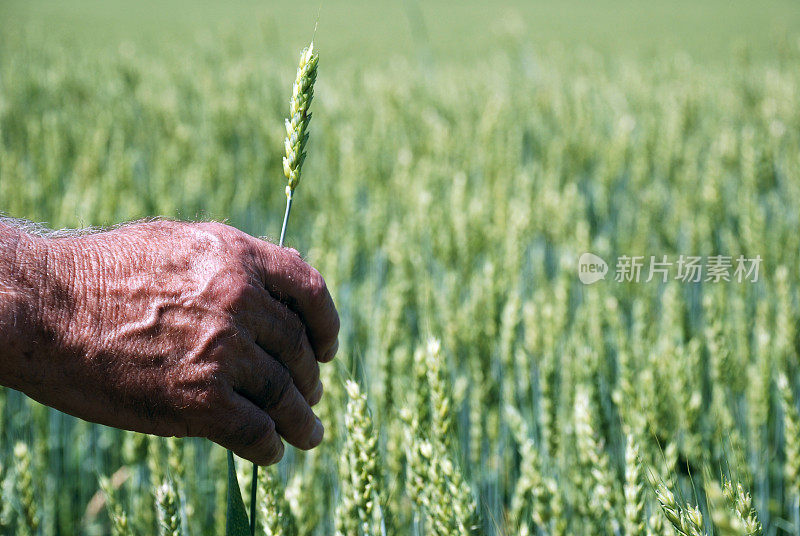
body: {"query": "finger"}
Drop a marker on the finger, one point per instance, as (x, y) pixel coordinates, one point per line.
(249, 433)
(332, 352)
(295, 421)
(280, 333)
(294, 282)
(269, 386)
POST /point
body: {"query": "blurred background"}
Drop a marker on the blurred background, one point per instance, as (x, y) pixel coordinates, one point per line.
(463, 155)
(382, 30)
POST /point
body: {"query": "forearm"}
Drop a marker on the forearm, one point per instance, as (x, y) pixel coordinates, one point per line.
(22, 260)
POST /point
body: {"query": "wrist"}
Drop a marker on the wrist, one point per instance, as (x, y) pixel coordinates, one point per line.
(40, 299)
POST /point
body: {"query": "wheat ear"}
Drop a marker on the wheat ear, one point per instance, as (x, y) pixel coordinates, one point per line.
(741, 503)
(117, 515)
(297, 126)
(169, 515)
(25, 490)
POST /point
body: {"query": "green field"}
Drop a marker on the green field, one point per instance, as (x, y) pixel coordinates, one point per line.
(462, 158)
(374, 32)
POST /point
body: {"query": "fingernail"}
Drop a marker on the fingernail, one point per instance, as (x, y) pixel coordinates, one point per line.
(316, 435)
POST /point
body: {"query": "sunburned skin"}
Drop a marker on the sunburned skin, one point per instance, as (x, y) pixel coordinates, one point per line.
(169, 328)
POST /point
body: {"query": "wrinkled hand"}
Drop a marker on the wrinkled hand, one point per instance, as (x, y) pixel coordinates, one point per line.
(181, 329)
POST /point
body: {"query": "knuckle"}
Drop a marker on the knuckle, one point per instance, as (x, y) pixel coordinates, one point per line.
(197, 389)
(215, 429)
(207, 397)
(216, 394)
(316, 288)
(217, 341)
(256, 247)
(211, 234)
(215, 227)
(295, 339)
(246, 247)
(263, 431)
(222, 431)
(277, 389)
(308, 386)
(239, 295)
(312, 381)
(245, 433)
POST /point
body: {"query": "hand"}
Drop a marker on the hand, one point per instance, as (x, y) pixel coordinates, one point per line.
(182, 329)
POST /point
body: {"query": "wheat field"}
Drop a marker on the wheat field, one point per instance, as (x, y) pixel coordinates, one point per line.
(481, 387)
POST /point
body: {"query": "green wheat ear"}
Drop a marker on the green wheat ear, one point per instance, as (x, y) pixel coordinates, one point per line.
(299, 117)
(297, 125)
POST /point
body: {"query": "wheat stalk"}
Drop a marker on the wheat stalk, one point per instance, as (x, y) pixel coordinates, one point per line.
(295, 145)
